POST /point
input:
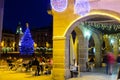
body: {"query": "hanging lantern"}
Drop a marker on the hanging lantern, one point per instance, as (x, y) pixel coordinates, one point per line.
(81, 7)
(59, 5)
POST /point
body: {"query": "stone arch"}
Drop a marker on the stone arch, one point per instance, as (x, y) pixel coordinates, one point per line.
(92, 14)
(98, 43)
(68, 44)
(61, 55)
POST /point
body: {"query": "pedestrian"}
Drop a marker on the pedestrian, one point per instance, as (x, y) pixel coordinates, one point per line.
(110, 63)
(35, 62)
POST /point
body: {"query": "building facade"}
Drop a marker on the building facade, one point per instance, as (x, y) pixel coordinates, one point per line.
(41, 37)
(8, 42)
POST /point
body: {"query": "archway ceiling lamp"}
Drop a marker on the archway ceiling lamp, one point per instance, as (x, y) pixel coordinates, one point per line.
(81, 7)
(106, 28)
(59, 5)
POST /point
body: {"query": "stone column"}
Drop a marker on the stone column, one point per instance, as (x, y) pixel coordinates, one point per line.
(107, 43)
(97, 40)
(116, 46)
(97, 55)
(67, 58)
(59, 58)
(83, 53)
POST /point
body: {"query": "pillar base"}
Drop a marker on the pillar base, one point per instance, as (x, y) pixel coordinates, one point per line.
(58, 74)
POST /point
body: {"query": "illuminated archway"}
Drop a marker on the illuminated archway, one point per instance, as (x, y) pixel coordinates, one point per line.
(61, 37)
(77, 22)
(92, 14)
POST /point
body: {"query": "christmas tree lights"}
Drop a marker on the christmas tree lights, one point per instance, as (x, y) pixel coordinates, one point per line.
(26, 44)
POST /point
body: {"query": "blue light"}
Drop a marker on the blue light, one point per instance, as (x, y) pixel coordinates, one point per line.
(82, 7)
(59, 5)
(27, 44)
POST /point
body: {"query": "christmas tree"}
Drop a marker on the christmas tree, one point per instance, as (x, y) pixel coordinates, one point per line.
(26, 43)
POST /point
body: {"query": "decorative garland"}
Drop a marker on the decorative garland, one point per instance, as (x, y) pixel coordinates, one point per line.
(113, 29)
(103, 26)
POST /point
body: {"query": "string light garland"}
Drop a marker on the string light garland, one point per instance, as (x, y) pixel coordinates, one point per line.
(112, 30)
(103, 26)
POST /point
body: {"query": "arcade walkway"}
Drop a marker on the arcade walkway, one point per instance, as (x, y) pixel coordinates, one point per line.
(95, 76)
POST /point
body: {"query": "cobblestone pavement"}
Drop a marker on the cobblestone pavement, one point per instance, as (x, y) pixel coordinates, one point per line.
(13, 75)
(98, 74)
(95, 76)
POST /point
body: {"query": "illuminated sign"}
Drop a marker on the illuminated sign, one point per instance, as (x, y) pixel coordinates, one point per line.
(81, 7)
(59, 5)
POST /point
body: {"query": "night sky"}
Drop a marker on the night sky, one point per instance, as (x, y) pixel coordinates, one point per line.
(32, 11)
